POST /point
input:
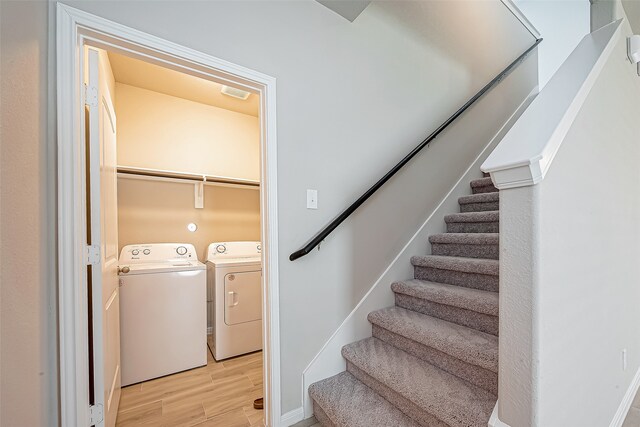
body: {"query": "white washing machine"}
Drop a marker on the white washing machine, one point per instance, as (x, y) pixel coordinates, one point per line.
(234, 298)
(163, 311)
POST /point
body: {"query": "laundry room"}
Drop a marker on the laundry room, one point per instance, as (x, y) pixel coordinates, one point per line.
(180, 200)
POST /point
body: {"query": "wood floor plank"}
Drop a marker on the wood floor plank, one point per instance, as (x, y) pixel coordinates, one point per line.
(182, 413)
(141, 415)
(242, 360)
(234, 418)
(256, 416)
(167, 387)
(231, 393)
(242, 370)
(219, 394)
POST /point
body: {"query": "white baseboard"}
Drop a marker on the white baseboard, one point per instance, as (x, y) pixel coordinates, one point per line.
(625, 405)
(292, 417)
(329, 361)
(494, 421)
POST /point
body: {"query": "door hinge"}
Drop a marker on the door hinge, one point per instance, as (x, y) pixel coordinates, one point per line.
(90, 95)
(96, 414)
(93, 255)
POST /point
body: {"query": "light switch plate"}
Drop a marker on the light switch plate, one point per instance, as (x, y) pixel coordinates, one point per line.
(312, 199)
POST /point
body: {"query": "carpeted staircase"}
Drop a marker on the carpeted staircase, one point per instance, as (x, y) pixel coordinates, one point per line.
(433, 358)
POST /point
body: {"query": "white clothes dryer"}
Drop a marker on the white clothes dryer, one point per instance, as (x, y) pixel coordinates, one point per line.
(234, 288)
(163, 311)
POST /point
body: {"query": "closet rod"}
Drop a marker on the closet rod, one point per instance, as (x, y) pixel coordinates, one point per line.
(184, 176)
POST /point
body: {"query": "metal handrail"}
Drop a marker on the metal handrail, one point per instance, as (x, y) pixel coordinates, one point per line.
(322, 234)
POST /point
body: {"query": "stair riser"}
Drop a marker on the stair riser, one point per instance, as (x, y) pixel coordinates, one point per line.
(474, 374)
(479, 207)
(322, 418)
(484, 282)
(467, 251)
(413, 411)
(484, 189)
(473, 227)
(471, 319)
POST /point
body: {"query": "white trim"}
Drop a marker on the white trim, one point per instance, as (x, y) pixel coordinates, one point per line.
(522, 18)
(527, 151)
(292, 417)
(75, 28)
(328, 361)
(625, 405)
(494, 421)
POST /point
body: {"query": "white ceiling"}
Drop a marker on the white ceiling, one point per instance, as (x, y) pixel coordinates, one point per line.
(135, 72)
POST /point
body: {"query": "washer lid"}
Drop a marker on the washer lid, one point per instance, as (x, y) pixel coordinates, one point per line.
(161, 267)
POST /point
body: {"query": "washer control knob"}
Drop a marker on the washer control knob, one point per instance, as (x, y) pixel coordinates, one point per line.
(259, 248)
(135, 252)
(181, 250)
(146, 251)
(221, 249)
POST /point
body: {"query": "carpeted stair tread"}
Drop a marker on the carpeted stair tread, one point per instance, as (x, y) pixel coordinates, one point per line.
(466, 238)
(482, 182)
(485, 216)
(479, 198)
(483, 185)
(466, 265)
(477, 300)
(349, 403)
(466, 344)
(431, 390)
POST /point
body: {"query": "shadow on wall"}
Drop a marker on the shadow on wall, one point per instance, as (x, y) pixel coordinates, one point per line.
(462, 32)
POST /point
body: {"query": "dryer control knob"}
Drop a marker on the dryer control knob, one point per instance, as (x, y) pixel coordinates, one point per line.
(181, 250)
(221, 249)
(135, 252)
(146, 251)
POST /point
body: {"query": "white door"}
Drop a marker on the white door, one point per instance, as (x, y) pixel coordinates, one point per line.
(103, 234)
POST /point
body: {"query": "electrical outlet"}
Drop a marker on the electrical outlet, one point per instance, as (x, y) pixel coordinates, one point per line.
(312, 199)
(624, 359)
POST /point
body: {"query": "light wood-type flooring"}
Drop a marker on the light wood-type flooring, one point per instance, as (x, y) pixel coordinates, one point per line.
(220, 394)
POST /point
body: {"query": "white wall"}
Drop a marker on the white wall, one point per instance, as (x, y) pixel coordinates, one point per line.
(352, 99)
(28, 341)
(570, 278)
(632, 10)
(589, 251)
(159, 131)
(562, 24)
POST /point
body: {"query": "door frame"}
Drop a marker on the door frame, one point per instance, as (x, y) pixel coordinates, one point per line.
(74, 29)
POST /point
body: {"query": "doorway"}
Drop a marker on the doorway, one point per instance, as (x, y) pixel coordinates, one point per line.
(82, 263)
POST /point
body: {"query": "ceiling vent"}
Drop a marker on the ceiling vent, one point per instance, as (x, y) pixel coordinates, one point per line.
(236, 93)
